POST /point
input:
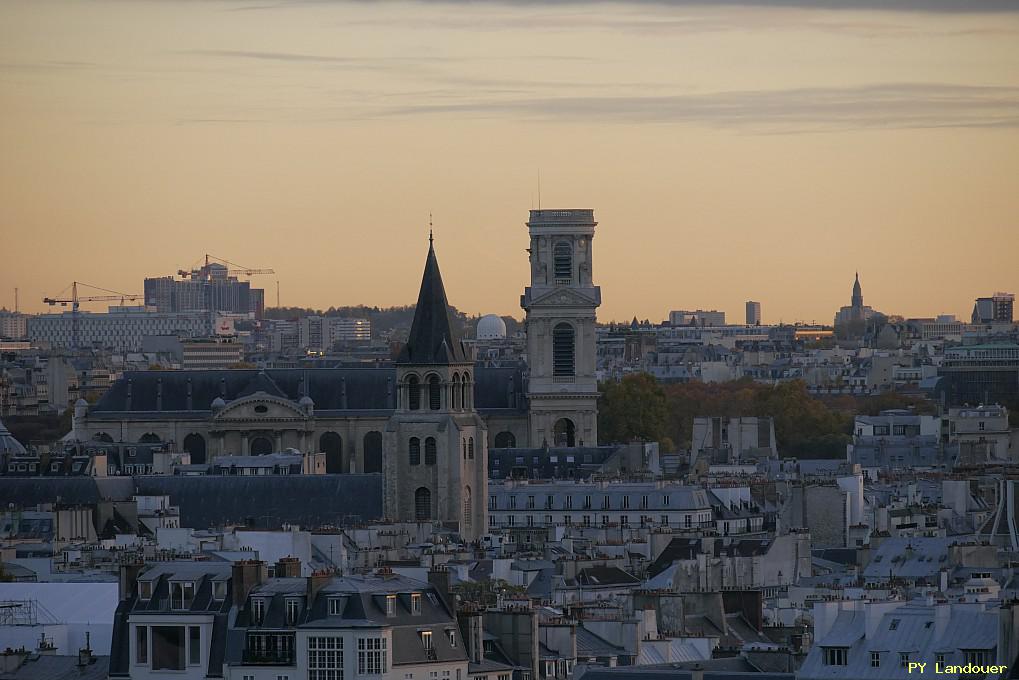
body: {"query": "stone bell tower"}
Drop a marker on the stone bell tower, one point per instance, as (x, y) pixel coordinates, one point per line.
(560, 309)
(436, 450)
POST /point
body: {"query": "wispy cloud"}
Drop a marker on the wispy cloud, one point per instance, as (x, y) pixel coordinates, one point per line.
(881, 106)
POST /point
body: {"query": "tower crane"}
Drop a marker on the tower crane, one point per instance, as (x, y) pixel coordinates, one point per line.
(75, 302)
(204, 271)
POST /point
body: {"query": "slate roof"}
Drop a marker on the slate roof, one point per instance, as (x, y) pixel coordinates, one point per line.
(8, 444)
(47, 667)
(334, 391)
(432, 339)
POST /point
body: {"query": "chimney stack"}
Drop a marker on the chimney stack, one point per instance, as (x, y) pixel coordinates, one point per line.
(316, 581)
(246, 575)
(288, 567)
(129, 577)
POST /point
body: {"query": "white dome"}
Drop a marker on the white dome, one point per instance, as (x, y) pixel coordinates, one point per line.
(490, 327)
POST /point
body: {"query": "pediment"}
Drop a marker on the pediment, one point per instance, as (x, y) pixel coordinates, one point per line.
(260, 406)
(563, 297)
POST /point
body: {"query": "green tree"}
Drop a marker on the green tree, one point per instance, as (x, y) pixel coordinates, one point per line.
(633, 408)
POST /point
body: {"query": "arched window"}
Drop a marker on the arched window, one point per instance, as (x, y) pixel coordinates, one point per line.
(454, 393)
(430, 454)
(563, 351)
(562, 262)
(413, 393)
(102, 437)
(194, 444)
(464, 442)
(331, 444)
(422, 504)
(373, 452)
(261, 446)
(466, 401)
(434, 393)
(470, 448)
(564, 433)
(505, 440)
(149, 438)
(414, 449)
(468, 509)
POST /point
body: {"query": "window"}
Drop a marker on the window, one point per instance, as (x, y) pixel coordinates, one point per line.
(434, 393)
(325, 658)
(415, 603)
(168, 648)
(569, 502)
(141, 644)
(335, 606)
(257, 611)
(414, 451)
(426, 639)
(563, 351)
(643, 502)
(413, 393)
(452, 636)
(430, 453)
(470, 448)
(894, 624)
(145, 590)
(422, 504)
(181, 594)
(836, 656)
(875, 659)
(293, 607)
(194, 646)
(626, 502)
(903, 659)
(977, 657)
(940, 659)
(530, 502)
(562, 262)
(219, 590)
(371, 656)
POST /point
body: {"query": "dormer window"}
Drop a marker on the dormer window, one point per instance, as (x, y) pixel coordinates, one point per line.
(257, 611)
(145, 590)
(219, 590)
(415, 604)
(451, 633)
(390, 605)
(426, 639)
(181, 594)
(293, 608)
(335, 606)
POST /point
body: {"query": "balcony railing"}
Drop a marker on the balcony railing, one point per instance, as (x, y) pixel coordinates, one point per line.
(269, 657)
(564, 379)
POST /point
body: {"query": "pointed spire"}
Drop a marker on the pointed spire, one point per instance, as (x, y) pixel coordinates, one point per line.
(432, 339)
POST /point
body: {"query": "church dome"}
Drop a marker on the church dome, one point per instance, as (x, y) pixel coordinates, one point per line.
(491, 327)
(8, 444)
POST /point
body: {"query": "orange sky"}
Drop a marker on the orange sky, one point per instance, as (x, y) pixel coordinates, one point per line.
(730, 153)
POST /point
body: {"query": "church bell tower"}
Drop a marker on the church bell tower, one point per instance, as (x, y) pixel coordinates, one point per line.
(560, 309)
(436, 450)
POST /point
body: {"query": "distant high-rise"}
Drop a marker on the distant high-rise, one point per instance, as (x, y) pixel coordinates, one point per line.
(995, 309)
(753, 313)
(209, 288)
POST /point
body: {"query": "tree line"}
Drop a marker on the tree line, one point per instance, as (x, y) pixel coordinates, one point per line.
(638, 407)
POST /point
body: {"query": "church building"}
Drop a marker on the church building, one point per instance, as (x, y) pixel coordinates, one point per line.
(425, 422)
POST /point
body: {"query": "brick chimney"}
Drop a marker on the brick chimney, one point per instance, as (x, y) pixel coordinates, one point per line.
(288, 567)
(316, 581)
(129, 577)
(245, 576)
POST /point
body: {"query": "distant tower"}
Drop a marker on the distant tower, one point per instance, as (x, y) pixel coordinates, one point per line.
(857, 293)
(753, 313)
(560, 309)
(436, 462)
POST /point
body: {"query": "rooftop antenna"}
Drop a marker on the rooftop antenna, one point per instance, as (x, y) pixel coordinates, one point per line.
(539, 188)
(15, 300)
(429, 230)
(277, 293)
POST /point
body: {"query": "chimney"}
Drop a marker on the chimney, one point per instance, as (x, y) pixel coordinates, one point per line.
(85, 657)
(438, 578)
(246, 575)
(697, 672)
(316, 581)
(288, 567)
(129, 577)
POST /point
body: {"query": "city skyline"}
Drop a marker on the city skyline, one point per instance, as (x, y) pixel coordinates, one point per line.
(730, 153)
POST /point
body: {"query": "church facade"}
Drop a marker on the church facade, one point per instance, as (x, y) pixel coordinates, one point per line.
(426, 422)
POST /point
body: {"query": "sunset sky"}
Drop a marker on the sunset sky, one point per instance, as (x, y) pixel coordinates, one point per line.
(763, 150)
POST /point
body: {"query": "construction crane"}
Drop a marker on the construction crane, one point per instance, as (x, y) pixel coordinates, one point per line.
(75, 302)
(205, 271)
